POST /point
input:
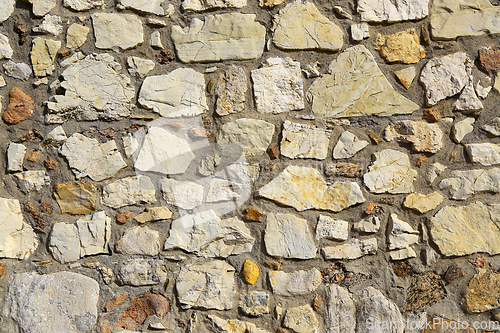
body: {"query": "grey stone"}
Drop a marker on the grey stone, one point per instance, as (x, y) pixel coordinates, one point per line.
(341, 311)
(484, 153)
(139, 241)
(183, 194)
(31, 180)
(464, 184)
(141, 272)
(254, 303)
(493, 127)
(301, 319)
(129, 191)
(304, 141)
(297, 283)
(372, 305)
(352, 249)
(15, 157)
(401, 235)
(330, 228)
(19, 70)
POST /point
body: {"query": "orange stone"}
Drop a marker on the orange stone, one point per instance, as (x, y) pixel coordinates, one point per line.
(252, 214)
(141, 308)
(274, 152)
(35, 156)
(115, 302)
(122, 218)
(250, 272)
(50, 164)
(20, 107)
(105, 329)
(2, 268)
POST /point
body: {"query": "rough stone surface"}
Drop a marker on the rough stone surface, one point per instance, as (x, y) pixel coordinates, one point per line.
(493, 127)
(304, 141)
(234, 325)
(143, 6)
(484, 153)
(185, 195)
(252, 135)
(139, 241)
(20, 107)
(464, 184)
(341, 310)
(301, 319)
(461, 129)
(294, 284)
(426, 289)
(18, 70)
(153, 214)
(230, 90)
(406, 76)
(139, 67)
(423, 136)
(360, 31)
(401, 235)
(51, 24)
(482, 293)
(348, 145)
(31, 180)
(141, 272)
(8, 8)
(330, 228)
(83, 5)
(15, 157)
(76, 35)
(392, 11)
(129, 191)
(370, 224)
(76, 198)
(199, 5)
(254, 303)
(371, 303)
(351, 249)
(117, 31)
(5, 48)
(423, 203)
(402, 47)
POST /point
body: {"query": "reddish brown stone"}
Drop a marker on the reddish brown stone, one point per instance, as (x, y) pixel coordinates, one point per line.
(141, 308)
(2, 268)
(180, 323)
(431, 115)
(63, 53)
(105, 329)
(388, 201)
(275, 265)
(317, 301)
(452, 273)
(421, 161)
(175, 126)
(274, 152)
(344, 169)
(199, 133)
(32, 212)
(50, 163)
(35, 156)
(206, 120)
(32, 135)
(108, 133)
(374, 136)
(18, 28)
(46, 208)
(402, 270)
(373, 210)
(489, 57)
(122, 218)
(479, 262)
(20, 107)
(165, 56)
(270, 167)
(280, 330)
(115, 302)
(252, 214)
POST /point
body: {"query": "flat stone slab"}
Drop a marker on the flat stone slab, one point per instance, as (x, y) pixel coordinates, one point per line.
(117, 31)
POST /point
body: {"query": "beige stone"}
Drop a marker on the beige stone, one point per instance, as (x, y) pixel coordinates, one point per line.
(465, 183)
(403, 46)
(234, 325)
(401, 234)
(117, 31)
(352, 249)
(423, 136)
(461, 128)
(201, 5)
(252, 135)
(297, 283)
(139, 241)
(76, 36)
(42, 7)
(153, 214)
(392, 10)
(483, 292)
(129, 191)
(484, 153)
(43, 54)
(406, 76)
(423, 203)
(270, 3)
(143, 6)
(341, 311)
(230, 90)
(301, 319)
(304, 141)
(402, 254)
(348, 145)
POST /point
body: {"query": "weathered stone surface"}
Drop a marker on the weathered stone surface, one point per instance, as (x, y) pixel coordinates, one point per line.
(117, 31)
(344, 169)
(210, 285)
(94, 89)
(355, 86)
(69, 301)
(493, 127)
(372, 305)
(423, 203)
(141, 308)
(17, 239)
(425, 289)
(139, 67)
(140, 241)
(178, 93)
(360, 31)
(185, 194)
(143, 6)
(484, 153)
(352, 249)
(348, 145)
(15, 157)
(278, 86)
(42, 7)
(436, 324)
(461, 129)
(250, 271)
(448, 17)
(482, 293)
(423, 136)
(89, 157)
(254, 303)
(463, 230)
(153, 214)
(391, 172)
(5, 49)
(330, 228)
(76, 198)
(489, 57)
(20, 107)
(231, 36)
(8, 8)
(288, 236)
(129, 191)
(301, 319)
(63, 238)
(141, 272)
(469, 182)
(392, 11)
(403, 46)
(296, 283)
(66, 62)
(402, 254)
(341, 311)
(82, 5)
(57, 135)
(370, 224)
(253, 135)
(230, 90)
(208, 236)
(304, 141)
(434, 171)
(200, 5)
(223, 190)
(234, 325)
(406, 76)
(301, 26)
(402, 235)
(51, 24)
(31, 180)
(19, 70)
(76, 36)
(304, 188)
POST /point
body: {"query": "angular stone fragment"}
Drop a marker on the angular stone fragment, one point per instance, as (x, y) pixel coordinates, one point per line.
(178, 93)
(278, 86)
(20, 107)
(360, 31)
(461, 129)
(254, 303)
(223, 190)
(252, 135)
(42, 7)
(117, 31)
(482, 293)
(423, 203)
(348, 145)
(484, 153)
(464, 230)
(115, 302)
(341, 311)
(31, 180)
(301, 26)
(185, 195)
(434, 171)
(94, 89)
(142, 307)
(68, 61)
(304, 188)
(250, 271)
(76, 198)
(352, 249)
(489, 57)
(330, 228)
(82, 5)
(406, 76)
(76, 36)
(52, 302)
(355, 86)
(234, 325)
(424, 137)
(200, 5)
(51, 24)
(5, 49)
(304, 141)
(231, 36)
(466, 183)
(139, 67)
(210, 285)
(143, 6)
(350, 170)
(129, 191)
(301, 319)
(296, 283)
(141, 272)
(402, 235)
(288, 236)
(139, 241)
(63, 238)
(230, 90)
(270, 3)
(493, 127)
(153, 214)
(19, 70)
(155, 156)
(89, 157)
(15, 157)
(373, 306)
(402, 254)
(426, 289)
(392, 11)
(370, 224)
(208, 236)
(403, 46)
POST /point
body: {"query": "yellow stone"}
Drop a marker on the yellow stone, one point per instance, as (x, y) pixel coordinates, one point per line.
(250, 271)
(403, 46)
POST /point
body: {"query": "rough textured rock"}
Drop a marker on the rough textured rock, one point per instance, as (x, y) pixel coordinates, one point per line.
(141, 272)
(208, 236)
(278, 86)
(304, 188)
(482, 293)
(20, 107)
(355, 86)
(129, 191)
(423, 136)
(42, 7)
(301, 26)
(5, 48)
(140, 241)
(139, 67)
(403, 47)
(83, 101)
(231, 36)
(370, 224)
(392, 11)
(304, 141)
(51, 24)
(463, 184)
(301, 319)
(252, 135)
(153, 214)
(234, 325)
(76, 36)
(143, 6)
(461, 129)
(352, 249)
(426, 289)
(360, 31)
(31, 180)
(422, 202)
(83, 5)
(200, 5)
(210, 285)
(330, 228)
(294, 284)
(76, 197)
(401, 235)
(484, 153)
(142, 307)
(488, 57)
(391, 172)
(89, 157)
(493, 127)
(372, 305)
(69, 301)
(348, 145)
(341, 311)
(463, 230)
(344, 169)
(406, 76)
(19, 70)
(288, 236)
(250, 271)
(254, 303)
(15, 157)
(185, 195)
(178, 93)
(117, 31)
(8, 8)
(230, 90)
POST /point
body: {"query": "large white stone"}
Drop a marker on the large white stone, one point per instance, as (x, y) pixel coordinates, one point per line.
(330, 228)
(484, 153)
(42, 7)
(143, 6)
(139, 241)
(352, 249)
(31, 180)
(183, 194)
(493, 127)
(392, 10)
(401, 234)
(117, 31)
(129, 191)
(423, 136)
(297, 283)
(304, 141)
(5, 49)
(202, 5)
(372, 305)
(341, 311)
(15, 157)
(82, 5)
(252, 135)
(348, 145)
(464, 184)
(7, 9)
(51, 24)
